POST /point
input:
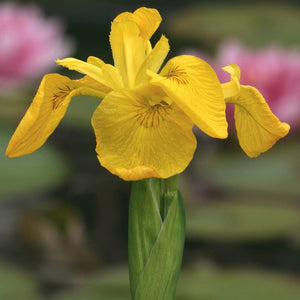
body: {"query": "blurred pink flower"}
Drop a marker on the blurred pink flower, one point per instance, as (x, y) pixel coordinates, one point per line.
(273, 70)
(29, 44)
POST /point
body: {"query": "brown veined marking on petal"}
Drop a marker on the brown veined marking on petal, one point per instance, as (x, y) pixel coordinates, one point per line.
(151, 116)
(59, 96)
(178, 75)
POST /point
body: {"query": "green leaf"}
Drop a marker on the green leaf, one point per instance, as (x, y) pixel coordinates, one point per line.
(275, 172)
(156, 239)
(144, 226)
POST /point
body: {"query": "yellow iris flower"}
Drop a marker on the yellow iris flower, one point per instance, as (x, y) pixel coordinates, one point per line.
(143, 125)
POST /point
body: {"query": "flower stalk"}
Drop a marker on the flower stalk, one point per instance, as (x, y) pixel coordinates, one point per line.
(155, 238)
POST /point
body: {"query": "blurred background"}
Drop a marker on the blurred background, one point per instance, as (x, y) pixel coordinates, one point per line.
(63, 218)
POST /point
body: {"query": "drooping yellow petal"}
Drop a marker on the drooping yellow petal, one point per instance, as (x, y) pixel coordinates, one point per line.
(94, 69)
(258, 129)
(193, 85)
(136, 140)
(128, 49)
(154, 60)
(45, 112)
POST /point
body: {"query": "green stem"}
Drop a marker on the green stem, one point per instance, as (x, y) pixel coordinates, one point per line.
(155, 238)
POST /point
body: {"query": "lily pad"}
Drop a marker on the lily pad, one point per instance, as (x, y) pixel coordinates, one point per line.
(255, 24)
(275, 172)
(242, 221)
(200, 282)
(38, 171)
(111, 284)
(219, 284)
(16, 284)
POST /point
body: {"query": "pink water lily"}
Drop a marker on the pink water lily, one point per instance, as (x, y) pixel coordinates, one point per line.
(29, 44)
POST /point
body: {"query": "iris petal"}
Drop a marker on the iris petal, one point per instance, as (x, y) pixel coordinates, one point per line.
(112, 77)
(258, 129)
(193, 85)
(82, 67)
(94, 84)
(154, 60)
(136, 140)
(232, 87)
(93, 60)
(128, 49)
(148, 20)
(103, 73)
(45, 112)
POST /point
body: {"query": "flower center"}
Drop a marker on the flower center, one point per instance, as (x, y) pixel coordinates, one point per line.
(152, 116)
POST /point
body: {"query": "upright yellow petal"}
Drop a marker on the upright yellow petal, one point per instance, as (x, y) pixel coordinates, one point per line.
(128, 49)
(45, 112)
(94, 84)
(148, 20)
(82, 67)
(136, 140)
(153, 60)
(258, 129)
(112, 77)
(193, 85)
